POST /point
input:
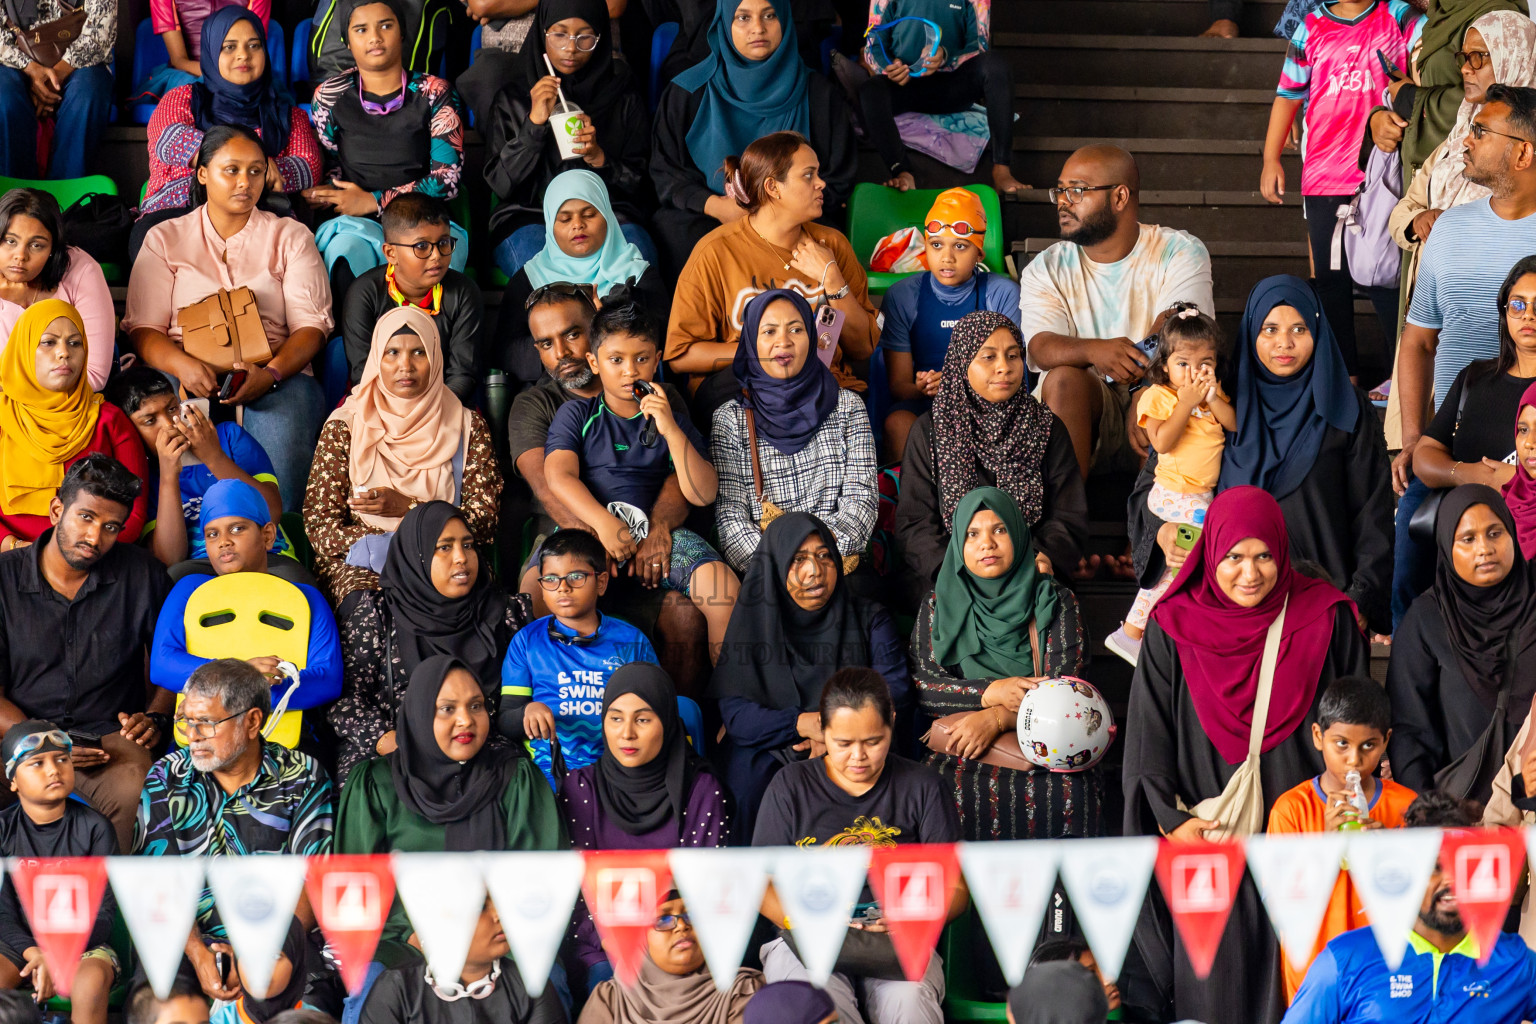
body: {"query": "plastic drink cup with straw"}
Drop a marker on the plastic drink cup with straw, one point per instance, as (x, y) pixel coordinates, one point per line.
(565, 122)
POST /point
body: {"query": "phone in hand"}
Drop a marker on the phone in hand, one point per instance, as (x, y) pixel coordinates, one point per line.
(1391, 69)
(1185, 536)
(650, 432)
(234, 380)
(222, 962)
(89, 740)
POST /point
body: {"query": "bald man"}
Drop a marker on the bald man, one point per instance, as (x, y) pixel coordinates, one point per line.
(1086, 301)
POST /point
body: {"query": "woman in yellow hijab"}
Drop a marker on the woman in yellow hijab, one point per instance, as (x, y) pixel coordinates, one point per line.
(49, 418)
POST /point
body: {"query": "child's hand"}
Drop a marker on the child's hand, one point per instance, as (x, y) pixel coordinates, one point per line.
(1193, 393)
(1339, 811)
(538, 721)
(170, 445)
(199, 432)
(37, 971)
(1272, 182)
(657, 407)
(616, 538)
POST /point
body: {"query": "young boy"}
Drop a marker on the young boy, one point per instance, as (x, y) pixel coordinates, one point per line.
(920, 312)
(1076, 949)
(418, 244)
(623, 449)
(556, 668)
(186, 1005)
(1336, 46)
(1354, 723)
(238, 531)
(45, 822)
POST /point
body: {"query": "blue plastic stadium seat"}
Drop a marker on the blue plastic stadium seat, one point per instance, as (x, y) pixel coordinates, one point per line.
(335, 377)
(298, 60)
(148, 53)
(277, 53)
(693, 723)
(661, 45)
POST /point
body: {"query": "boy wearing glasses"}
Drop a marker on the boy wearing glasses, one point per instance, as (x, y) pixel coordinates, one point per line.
(45, 822)
(556, 669)
(418, 245)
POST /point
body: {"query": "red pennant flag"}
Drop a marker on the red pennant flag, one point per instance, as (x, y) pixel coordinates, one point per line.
(61, 898)
(1199, 880)
(623, 888)
(1483, 865)
(914, 884)
(351, 895)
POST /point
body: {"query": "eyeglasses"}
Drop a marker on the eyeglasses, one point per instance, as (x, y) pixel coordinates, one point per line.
(1074, 193)
(563, 289)
(577, 580)
(32, 743)
(202, 728)
(669, 922)
(1519, 307)
(424, 249)
(586, 42)
(959, 228)
(1478, 130)
(1479, 59)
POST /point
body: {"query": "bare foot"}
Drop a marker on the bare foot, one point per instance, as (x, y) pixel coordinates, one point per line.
(1087, 568)
(1004, 181)
(903, 182)
(1221, 28)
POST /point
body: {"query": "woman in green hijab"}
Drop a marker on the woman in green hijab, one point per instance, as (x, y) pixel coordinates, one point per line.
(994, 625)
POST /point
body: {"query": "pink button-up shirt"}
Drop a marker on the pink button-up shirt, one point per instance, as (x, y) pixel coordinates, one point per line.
(83, 287)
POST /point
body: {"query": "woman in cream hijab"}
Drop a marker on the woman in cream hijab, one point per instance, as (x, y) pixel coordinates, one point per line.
(400, 439)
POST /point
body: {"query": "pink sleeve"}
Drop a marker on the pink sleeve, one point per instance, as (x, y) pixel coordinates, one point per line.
(306, 286)
(162, 16)
(262, 9)
(85, 288)
(150, 285)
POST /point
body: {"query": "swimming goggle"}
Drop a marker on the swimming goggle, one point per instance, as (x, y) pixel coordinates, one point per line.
(33, 742)
(960, 228)
(931, 35)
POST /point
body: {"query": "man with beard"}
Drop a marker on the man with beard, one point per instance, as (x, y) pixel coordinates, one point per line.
(77, 614)
(1086, 301)
(1439, 979)
(231, 793)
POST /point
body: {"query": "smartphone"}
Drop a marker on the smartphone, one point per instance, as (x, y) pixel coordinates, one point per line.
(829, 327)
(1392, 70)
(1186, 536)
(85, 739)
(233, 382)
(201, 405)
(650, 432)
(221, 963)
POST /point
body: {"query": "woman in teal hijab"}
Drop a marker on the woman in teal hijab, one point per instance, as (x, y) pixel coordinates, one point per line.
(994, 625)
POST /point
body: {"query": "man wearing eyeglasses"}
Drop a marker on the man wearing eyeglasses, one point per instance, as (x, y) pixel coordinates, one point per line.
(418, 245)
(1086, 302)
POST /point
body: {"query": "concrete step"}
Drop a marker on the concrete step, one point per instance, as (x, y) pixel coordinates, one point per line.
(1139, 17)
(1179, 164)
(1153, 111)
(1209, 215)
(1174, 61)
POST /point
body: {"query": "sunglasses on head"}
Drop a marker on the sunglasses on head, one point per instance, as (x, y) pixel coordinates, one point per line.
(564, 289)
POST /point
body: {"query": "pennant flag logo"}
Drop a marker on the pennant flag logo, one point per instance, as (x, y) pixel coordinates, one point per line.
(443, 896)
(61, 898)
(817, 890)
(1390, 868)
(1010, 884)
(1106, 880)
(723, 890)
(913, 884)
(1200, 880)
(533, 894)
(157, 897)
(1296, 875)
(255, 898)
(1484, 865)
(351, 895)
(623, 890)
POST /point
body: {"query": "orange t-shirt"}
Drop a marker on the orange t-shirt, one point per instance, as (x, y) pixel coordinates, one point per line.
(1301, 809)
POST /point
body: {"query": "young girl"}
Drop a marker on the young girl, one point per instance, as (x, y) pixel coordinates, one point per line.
(1185, 415)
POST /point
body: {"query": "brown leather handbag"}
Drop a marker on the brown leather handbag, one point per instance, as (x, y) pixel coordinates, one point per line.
(46, 42)
(1005, 751)
(225, 329)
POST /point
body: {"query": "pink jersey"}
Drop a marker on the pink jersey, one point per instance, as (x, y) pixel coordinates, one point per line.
(187, 17)
(1331, 65)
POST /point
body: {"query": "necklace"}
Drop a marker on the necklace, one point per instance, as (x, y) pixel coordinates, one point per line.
(771, 247)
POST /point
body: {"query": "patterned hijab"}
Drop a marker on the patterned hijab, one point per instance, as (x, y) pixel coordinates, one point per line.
(970, 433)
(1520, 492)
(1511, 40)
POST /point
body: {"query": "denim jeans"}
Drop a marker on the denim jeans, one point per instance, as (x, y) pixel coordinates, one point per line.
(83, 111)
(1413, 564)
(527, 242)
(286, 421)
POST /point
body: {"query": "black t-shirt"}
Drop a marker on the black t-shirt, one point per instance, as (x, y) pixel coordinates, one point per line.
(1487, 427)
(909, 804)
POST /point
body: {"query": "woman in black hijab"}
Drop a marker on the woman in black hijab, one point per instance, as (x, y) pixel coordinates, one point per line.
(444, 788)
(1464, 652)
(649, 790)
(795, 623)
(434, 598)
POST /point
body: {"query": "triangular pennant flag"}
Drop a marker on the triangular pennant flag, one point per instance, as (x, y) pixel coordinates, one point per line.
(351, 896)
(61, 898)
(1483, 864)
(1106, 880)
(723, 890)
(1199, 881)
(1296, 874)
(157, 897)
(1390, 868)
(818, 890)
(443, 895)
(623, 890)
(533, 894)
(255, 896)
(914, 883)
(1010, 883)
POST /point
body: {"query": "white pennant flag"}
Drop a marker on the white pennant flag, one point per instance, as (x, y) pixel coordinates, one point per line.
(1106, 880)
(1295, 874)
(157, 897)
(1390, 868)
(255, 896)
(818, 890)
(443, 894)
(1010, 883)
(723, 891)
(533, 894)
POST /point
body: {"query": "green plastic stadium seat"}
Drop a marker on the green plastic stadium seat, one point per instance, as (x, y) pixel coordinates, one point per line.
(875, 211)
(961, 1002)
(68, 191)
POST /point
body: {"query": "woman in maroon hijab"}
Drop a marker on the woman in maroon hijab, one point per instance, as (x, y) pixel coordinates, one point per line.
(1188, 724)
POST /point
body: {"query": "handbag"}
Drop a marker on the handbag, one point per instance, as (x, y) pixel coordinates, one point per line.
(1240, 806)
(1421, 525)
(1005, 751)
(99, 224)
(225, 329)
(770, 510)
(47, 41)
(863, 955)
(1471, 775)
